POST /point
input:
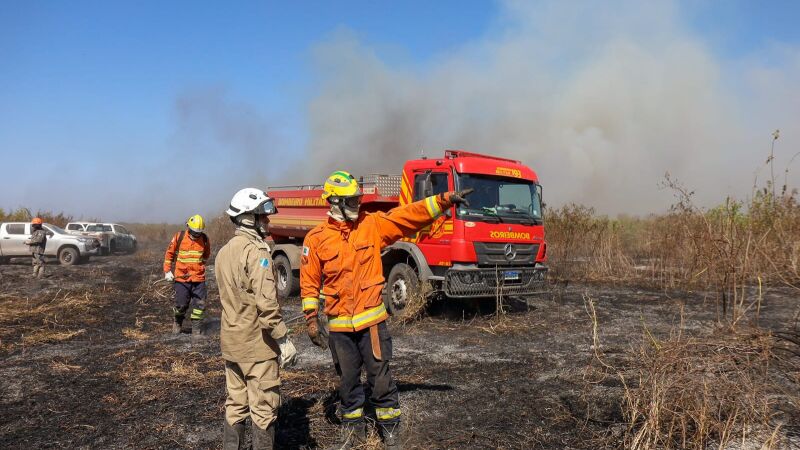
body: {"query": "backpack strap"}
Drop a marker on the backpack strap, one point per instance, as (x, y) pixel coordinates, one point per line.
(177, 250)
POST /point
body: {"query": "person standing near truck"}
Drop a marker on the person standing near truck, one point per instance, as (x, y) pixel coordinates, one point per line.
(185, 265)
(253, 334)
(37, 243)
(341, 260)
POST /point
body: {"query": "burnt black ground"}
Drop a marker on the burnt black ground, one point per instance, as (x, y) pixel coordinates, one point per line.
(88, 362)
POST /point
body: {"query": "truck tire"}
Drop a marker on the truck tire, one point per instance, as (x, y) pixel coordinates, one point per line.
(286, 282)
(69, 256)
(401, 288)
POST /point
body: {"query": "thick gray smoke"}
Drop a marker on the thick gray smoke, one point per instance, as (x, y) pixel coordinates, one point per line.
(601, 100)
(221, 145)
(218, 146)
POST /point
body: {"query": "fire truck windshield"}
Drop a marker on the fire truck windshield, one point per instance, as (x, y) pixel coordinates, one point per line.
(499, 199)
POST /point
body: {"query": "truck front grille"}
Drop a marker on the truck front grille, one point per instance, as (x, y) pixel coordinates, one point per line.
(495, 281)
(505, 254)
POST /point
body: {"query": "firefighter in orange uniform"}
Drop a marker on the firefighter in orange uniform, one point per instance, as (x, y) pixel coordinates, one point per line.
(342, 261)
(185, 265)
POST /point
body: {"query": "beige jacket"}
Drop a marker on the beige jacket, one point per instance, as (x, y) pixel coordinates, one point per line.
(251, 316)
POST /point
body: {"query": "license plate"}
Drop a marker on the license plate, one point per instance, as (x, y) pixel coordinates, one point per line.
(509, 275)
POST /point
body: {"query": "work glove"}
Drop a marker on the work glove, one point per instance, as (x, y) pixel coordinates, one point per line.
(288, 352)
(169, 276)
(27, 242)
(458, 197)
(312, 326)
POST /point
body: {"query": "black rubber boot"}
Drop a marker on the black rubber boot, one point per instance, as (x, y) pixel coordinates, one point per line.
(263, 439)
(391, 435)
(197, 330)
(176, 325)
(233, 436)
(353, 434)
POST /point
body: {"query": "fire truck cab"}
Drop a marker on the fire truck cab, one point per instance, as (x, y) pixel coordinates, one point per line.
(493, 246)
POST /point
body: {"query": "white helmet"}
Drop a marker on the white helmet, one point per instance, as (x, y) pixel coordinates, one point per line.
(251, 201)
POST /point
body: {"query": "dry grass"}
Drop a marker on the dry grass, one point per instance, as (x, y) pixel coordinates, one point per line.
(219, 230)
(49, 335)
(733, 250)
(691, 393)
(63, 367)
(418, 301)
(162, 370)
(33, 321)
(153, 232)
(709, 391)
(135, 334)
(301, 382)
(146, 256)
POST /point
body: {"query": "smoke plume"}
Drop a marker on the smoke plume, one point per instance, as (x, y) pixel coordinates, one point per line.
(600, 99)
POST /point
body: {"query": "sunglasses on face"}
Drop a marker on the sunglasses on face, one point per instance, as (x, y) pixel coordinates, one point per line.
(352, 202)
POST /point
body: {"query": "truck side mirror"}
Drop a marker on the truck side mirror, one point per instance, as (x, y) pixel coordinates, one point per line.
(427, 185)
(539, 194)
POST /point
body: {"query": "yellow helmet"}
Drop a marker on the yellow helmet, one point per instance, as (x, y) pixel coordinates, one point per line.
(196, 223)
(340, 184)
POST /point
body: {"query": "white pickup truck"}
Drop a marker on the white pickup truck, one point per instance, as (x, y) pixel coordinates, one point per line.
(114, 238)
(68, 248)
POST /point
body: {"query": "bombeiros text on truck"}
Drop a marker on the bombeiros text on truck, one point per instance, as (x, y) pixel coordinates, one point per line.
(494, 246)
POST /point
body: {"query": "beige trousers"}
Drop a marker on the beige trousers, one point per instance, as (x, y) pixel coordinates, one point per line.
(253, 389)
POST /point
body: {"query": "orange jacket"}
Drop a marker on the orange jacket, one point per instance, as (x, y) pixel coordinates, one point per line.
(345, 259)
(192, 257)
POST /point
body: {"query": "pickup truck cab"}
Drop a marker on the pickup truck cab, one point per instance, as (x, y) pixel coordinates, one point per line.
(68, 248)
(113, 237)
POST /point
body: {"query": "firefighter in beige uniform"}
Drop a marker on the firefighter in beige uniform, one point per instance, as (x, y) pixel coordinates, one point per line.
(253, 335)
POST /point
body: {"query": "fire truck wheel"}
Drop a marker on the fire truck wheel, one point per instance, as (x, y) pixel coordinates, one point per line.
(287, 282)
(402, 288)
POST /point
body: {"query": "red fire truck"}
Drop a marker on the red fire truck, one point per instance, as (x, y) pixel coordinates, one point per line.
(494, 246)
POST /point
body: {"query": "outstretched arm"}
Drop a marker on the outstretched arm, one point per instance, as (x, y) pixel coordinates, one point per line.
(408, 219)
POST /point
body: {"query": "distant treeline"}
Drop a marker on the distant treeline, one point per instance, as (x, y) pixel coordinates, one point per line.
(26, 214)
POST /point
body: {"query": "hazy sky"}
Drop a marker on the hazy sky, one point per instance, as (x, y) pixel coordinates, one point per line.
(156, 110)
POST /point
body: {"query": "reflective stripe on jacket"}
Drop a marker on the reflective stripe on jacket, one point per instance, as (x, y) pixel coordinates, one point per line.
(192, 256)
(251, 319)
(347, 257)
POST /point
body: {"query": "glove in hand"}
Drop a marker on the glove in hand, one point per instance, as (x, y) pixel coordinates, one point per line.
(288, 356)
(312, 324)
(169, 276)
(459, 197)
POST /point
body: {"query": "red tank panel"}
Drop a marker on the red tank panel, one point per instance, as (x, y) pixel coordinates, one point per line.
(301, 208)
